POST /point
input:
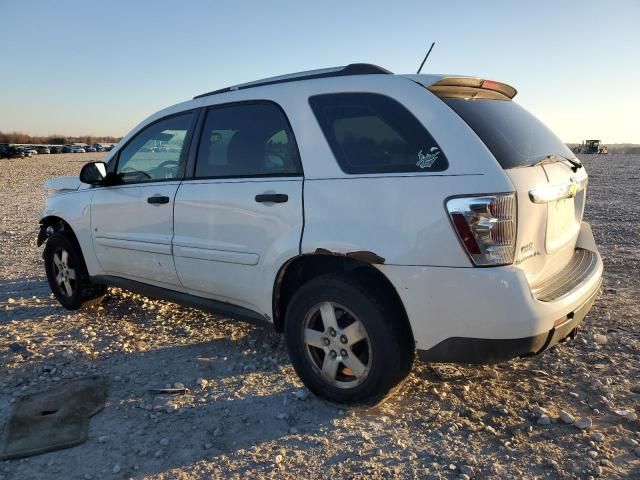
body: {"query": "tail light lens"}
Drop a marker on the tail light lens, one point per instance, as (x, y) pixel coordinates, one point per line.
(486, 226)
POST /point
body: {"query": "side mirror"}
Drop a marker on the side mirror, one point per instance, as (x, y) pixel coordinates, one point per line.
(93, 173)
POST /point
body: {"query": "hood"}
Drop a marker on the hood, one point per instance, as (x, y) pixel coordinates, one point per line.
(62, 184)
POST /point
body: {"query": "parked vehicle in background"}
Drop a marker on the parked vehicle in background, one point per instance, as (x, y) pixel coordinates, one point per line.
(108, 148)
(31, 150)
(9, 151)
(365, 214)
(25, 152)
(73, 149)
(98, 147)
(90, 148)
(55, 148)
(41, 149)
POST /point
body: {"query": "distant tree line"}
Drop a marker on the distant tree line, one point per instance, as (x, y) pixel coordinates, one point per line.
(20, 137)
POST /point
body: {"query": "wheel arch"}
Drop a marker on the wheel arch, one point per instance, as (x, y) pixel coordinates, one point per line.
(302, 268)
(54, 223)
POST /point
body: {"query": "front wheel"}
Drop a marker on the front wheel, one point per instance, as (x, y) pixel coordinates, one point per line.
(67, 274)
(348, 343)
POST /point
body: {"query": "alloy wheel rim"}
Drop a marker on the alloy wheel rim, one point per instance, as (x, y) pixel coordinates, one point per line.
(337, 344)
(65, 274)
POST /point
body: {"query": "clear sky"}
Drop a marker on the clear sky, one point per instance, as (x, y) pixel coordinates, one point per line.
(86, 67)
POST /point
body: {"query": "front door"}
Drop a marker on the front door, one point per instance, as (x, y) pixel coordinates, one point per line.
(132, 222)
(241, 213)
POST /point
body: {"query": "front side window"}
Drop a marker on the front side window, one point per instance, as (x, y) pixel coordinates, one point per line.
(372, 133)
(157, 152)
(246, 140)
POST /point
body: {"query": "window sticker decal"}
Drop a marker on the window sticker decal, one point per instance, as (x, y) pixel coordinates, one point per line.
(425, 161)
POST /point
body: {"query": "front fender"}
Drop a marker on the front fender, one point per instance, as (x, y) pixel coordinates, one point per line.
(74, 210)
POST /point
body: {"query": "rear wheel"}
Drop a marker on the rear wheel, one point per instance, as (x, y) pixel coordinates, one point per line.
(347, 343)
(67, 274)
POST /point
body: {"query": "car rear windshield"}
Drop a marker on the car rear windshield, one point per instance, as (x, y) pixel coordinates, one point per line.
(514, 136)
(372, 133)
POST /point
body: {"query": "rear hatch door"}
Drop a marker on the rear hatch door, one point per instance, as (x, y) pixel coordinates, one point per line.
(549, 181)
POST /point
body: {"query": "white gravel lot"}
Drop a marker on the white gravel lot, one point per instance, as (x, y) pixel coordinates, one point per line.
(246, 414)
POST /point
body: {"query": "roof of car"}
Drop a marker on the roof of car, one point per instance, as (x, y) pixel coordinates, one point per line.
(354, 69)
(343, 71)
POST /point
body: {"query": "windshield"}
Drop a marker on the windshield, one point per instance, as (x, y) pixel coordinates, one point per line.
(514, 136)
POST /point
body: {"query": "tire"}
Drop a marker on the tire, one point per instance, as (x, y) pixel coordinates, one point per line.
(67, 273)
(381, 343)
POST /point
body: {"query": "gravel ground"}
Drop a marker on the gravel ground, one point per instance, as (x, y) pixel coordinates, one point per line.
(245, 413)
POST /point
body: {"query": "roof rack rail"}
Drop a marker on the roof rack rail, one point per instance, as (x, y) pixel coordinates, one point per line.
(351, 69)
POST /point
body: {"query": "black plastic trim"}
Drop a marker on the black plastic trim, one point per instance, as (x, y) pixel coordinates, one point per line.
(194, 145)
(184, 299)
(272, 197)
(487, 350)
(158, 200)
(275, 176)
(351, 69)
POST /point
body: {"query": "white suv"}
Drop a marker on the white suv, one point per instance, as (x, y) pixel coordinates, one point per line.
(364, 214)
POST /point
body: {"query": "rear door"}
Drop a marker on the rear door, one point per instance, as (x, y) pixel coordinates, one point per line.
(132, 222)
(240, 215)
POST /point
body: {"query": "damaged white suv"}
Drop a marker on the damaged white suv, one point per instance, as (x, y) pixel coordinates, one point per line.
(366, 215)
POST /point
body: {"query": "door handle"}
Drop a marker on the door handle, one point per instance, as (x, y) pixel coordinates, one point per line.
(158, 200)
(272, 197)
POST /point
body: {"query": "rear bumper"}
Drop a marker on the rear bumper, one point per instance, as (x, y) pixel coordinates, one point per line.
(483, 350)
(487, 315)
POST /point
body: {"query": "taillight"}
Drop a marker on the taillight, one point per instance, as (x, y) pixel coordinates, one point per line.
(486, 226)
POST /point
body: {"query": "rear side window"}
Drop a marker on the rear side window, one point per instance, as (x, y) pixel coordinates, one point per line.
(372, 133)
(514, 136)
(247, 140)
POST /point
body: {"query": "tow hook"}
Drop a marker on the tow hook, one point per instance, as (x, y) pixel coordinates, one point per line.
(570, 336)
(573, 333)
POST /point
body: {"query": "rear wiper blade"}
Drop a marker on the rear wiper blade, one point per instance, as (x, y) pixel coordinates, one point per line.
(554, 157)
(548, 159)
(575, 162)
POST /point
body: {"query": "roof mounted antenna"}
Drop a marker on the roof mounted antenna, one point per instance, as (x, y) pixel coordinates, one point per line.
(426, 56)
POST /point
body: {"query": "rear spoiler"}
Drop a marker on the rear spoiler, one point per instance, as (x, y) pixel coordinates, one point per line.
(472, 88)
